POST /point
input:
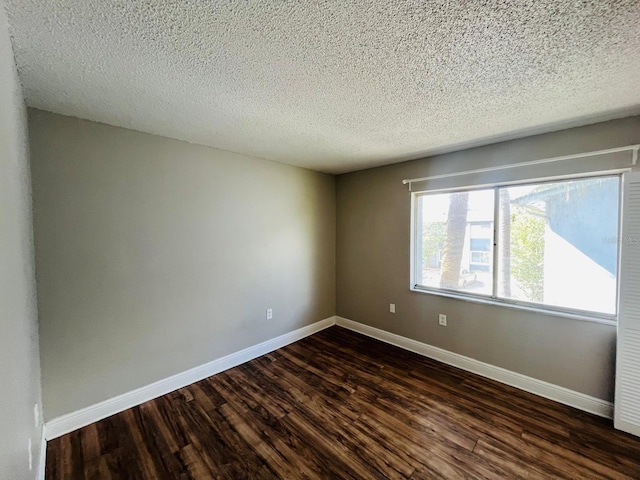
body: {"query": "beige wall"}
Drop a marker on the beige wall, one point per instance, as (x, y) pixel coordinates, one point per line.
(19, 358)
(373, 232)
(155, 256)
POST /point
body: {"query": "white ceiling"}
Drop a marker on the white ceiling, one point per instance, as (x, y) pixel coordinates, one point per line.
(331, 85)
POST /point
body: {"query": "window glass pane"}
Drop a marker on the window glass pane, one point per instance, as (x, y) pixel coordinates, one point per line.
(482, 258)
(455, 241)
(558, 243)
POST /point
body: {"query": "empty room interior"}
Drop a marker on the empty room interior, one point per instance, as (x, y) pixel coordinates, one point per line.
(361, 240)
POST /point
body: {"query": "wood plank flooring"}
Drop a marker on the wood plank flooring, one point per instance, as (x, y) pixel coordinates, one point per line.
(341, 405)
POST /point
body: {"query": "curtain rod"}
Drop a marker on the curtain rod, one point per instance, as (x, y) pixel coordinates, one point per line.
(634, 160)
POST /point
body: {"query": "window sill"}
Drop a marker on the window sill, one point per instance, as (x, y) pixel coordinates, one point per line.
(516, 306)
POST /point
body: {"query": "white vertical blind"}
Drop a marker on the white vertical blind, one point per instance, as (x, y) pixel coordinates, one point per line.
(627, 391)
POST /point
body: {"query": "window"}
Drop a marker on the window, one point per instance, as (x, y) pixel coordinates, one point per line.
(550, 245)
(480, 258)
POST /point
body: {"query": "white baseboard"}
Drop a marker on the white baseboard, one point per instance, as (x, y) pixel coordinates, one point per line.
(72, 421)
(544, 389)
(42, 461)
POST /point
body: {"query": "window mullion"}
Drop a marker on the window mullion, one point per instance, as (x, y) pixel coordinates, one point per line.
(496, 248)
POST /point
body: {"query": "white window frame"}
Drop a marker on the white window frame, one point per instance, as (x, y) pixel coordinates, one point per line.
(493, 299)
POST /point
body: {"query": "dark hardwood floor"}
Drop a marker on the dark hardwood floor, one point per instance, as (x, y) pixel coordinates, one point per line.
(341, 405)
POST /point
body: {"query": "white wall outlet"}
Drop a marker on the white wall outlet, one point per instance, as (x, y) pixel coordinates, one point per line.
(392, 307)
(269, 313)
(36, 415)
(442, 319)
(30, 456)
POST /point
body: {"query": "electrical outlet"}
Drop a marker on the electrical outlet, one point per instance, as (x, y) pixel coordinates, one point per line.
(30, 456)
(442, 319)
(269, 313)
(392, 307)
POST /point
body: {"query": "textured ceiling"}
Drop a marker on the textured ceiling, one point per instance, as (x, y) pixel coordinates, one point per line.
(331, 85)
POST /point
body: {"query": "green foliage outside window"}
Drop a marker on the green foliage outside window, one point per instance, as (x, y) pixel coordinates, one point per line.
(527, 253)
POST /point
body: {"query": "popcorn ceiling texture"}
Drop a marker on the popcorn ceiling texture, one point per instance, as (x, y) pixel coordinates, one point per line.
(330, 85)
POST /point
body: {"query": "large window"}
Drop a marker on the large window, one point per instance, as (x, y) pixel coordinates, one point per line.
(551, 245)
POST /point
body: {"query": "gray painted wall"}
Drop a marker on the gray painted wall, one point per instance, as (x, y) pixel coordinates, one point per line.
(154, 256)
(19, 358)
(373, 233)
